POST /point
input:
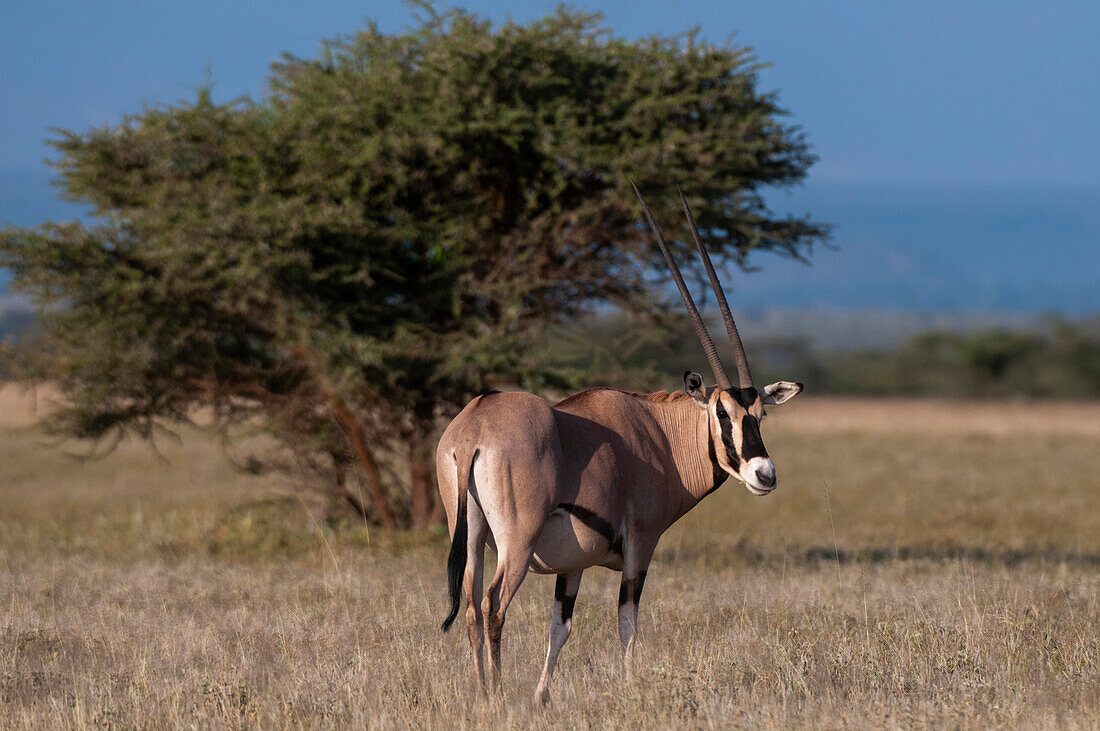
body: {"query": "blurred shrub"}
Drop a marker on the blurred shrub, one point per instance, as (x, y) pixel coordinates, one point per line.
(1059, 359)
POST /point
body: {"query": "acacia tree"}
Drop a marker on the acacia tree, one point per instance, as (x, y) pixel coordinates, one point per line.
(388, 230)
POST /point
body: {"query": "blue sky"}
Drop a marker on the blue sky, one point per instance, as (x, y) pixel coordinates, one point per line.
(959, 143)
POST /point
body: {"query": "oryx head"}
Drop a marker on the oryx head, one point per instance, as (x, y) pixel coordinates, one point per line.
(733, 413)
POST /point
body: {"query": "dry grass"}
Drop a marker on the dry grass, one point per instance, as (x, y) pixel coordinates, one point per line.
(143, 592)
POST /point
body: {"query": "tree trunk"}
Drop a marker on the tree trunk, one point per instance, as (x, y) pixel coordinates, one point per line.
(366, 459)
(341, 493)
(358, 443)
(439, 514)
(421, 491)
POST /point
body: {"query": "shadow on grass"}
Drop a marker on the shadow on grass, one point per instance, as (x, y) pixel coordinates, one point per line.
(283, 527)
(746, 554)
(287, 527)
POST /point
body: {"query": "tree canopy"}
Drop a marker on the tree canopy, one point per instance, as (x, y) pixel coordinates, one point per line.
(390, 228)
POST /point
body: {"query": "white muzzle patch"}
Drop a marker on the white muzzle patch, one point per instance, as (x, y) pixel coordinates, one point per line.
(758, 474)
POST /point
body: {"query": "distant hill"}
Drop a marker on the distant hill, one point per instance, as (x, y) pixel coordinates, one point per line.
(825, 329)
(16, 315)
(1023, 249)
(1027, 249)
(821, 329)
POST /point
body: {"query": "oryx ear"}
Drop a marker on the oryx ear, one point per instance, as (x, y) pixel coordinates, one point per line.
(780, 392)
(694, 387)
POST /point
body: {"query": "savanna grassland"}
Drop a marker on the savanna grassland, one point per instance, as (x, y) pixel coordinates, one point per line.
(922, 564)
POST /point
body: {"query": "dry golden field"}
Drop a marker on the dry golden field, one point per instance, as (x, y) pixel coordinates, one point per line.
(923, 564)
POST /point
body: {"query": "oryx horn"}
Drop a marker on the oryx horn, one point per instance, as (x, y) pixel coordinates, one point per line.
(700, 329)
(739, 358)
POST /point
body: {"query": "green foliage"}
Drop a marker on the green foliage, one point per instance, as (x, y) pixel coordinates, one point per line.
(393, 225)
(1060, 359)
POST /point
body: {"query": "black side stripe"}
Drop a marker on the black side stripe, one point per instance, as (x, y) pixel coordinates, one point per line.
(596, 523)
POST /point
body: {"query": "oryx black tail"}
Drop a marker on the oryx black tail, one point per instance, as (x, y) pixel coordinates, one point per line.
(456, 561)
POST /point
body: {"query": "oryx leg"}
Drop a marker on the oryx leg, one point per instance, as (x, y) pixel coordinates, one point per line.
(472, 583)
(512, 566)
(561, 622)
(635, 564)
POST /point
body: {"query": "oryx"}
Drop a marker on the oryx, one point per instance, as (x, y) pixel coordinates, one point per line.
(593, 480)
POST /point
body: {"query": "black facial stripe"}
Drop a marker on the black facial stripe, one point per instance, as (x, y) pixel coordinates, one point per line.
(564, 599)
(745, 397)
(594, 522)
(751, 443)
(719, 473)
(727, 440)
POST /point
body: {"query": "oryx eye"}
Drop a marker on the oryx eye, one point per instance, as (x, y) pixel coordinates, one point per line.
(722, 413)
